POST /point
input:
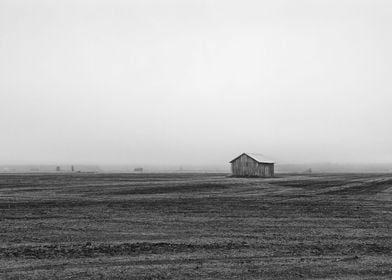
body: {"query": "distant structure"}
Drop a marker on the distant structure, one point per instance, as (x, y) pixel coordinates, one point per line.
(308, 171)
(252, 165)
(138, 169)
(58, 168)
(72, 168)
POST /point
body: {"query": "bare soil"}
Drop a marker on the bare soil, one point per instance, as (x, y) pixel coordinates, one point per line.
(195, 226)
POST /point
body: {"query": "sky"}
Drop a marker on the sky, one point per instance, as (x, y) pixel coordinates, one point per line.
(195, 82)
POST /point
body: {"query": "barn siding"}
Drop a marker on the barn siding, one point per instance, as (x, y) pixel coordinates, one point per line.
(247, 166)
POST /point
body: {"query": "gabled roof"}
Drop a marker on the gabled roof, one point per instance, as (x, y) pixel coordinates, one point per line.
(257, 157)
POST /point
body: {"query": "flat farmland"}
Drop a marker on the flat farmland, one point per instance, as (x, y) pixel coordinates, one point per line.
(195, 226)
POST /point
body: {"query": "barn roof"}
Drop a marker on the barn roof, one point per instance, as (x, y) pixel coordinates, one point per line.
(257, 157)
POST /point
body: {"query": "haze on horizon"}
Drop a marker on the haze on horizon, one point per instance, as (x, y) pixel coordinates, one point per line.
(195, 82)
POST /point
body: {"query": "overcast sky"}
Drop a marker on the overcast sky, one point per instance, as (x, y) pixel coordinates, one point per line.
(195, 82)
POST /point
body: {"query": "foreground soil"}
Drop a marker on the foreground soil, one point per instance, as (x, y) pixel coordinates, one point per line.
(195, 226)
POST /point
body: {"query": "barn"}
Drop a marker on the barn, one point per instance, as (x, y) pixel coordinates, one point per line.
(252, 165)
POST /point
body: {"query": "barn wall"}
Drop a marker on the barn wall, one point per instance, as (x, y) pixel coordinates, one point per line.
(246, 166)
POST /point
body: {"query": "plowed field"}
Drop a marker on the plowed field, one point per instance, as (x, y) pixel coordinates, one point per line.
(195, 226)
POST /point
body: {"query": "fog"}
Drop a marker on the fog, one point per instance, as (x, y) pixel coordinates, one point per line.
(195, 82)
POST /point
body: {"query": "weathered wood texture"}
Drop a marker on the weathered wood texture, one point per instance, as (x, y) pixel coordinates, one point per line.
(248, 167)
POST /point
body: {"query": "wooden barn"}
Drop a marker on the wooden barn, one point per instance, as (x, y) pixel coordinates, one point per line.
(252, 165)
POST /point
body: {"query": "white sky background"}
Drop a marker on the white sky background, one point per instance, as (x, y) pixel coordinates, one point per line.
(195, 82)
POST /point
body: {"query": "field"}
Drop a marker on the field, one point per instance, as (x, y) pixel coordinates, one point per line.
(195, 226)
